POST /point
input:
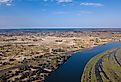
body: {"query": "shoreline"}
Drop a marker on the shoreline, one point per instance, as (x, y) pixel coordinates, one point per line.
(65, 60)
(96, 69)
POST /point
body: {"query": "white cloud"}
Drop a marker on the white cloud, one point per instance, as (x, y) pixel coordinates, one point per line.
(8, 4)
(5, 2)
(92, 4)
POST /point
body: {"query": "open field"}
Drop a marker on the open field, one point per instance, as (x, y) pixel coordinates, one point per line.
(105, 67)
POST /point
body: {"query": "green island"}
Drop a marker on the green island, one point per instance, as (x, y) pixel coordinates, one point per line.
(105, 67)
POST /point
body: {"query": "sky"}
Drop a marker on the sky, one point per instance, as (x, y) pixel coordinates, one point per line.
(60, 13)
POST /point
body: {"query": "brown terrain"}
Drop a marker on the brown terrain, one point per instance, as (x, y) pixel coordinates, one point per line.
(31, 56)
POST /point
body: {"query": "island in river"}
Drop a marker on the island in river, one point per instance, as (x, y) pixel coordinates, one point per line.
(32, 54)
(105, 67)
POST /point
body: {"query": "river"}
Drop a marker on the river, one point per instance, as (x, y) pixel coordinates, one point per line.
(72, 69)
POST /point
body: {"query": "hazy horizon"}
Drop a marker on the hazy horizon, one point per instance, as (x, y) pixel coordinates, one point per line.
(63, 28)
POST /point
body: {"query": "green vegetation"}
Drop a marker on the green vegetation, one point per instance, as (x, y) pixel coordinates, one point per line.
(105, 67)
(20, 62)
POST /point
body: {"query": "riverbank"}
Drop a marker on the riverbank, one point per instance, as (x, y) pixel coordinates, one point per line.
(72, 70)
(35, 68)
(105, 67)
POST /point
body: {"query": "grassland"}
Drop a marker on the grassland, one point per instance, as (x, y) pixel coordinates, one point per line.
(105, 67)
(27, 63)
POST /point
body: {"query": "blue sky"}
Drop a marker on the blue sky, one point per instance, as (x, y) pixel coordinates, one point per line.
(60, 13)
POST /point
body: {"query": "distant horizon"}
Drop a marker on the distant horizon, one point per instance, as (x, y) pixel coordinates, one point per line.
(63, 28)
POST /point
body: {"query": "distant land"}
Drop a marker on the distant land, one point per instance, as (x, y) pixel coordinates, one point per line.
(60, 29)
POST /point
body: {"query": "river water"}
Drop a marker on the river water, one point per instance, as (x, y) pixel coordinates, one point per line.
(72, 69)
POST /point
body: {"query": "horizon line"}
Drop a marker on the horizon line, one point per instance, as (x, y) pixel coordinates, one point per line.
(55, 27)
